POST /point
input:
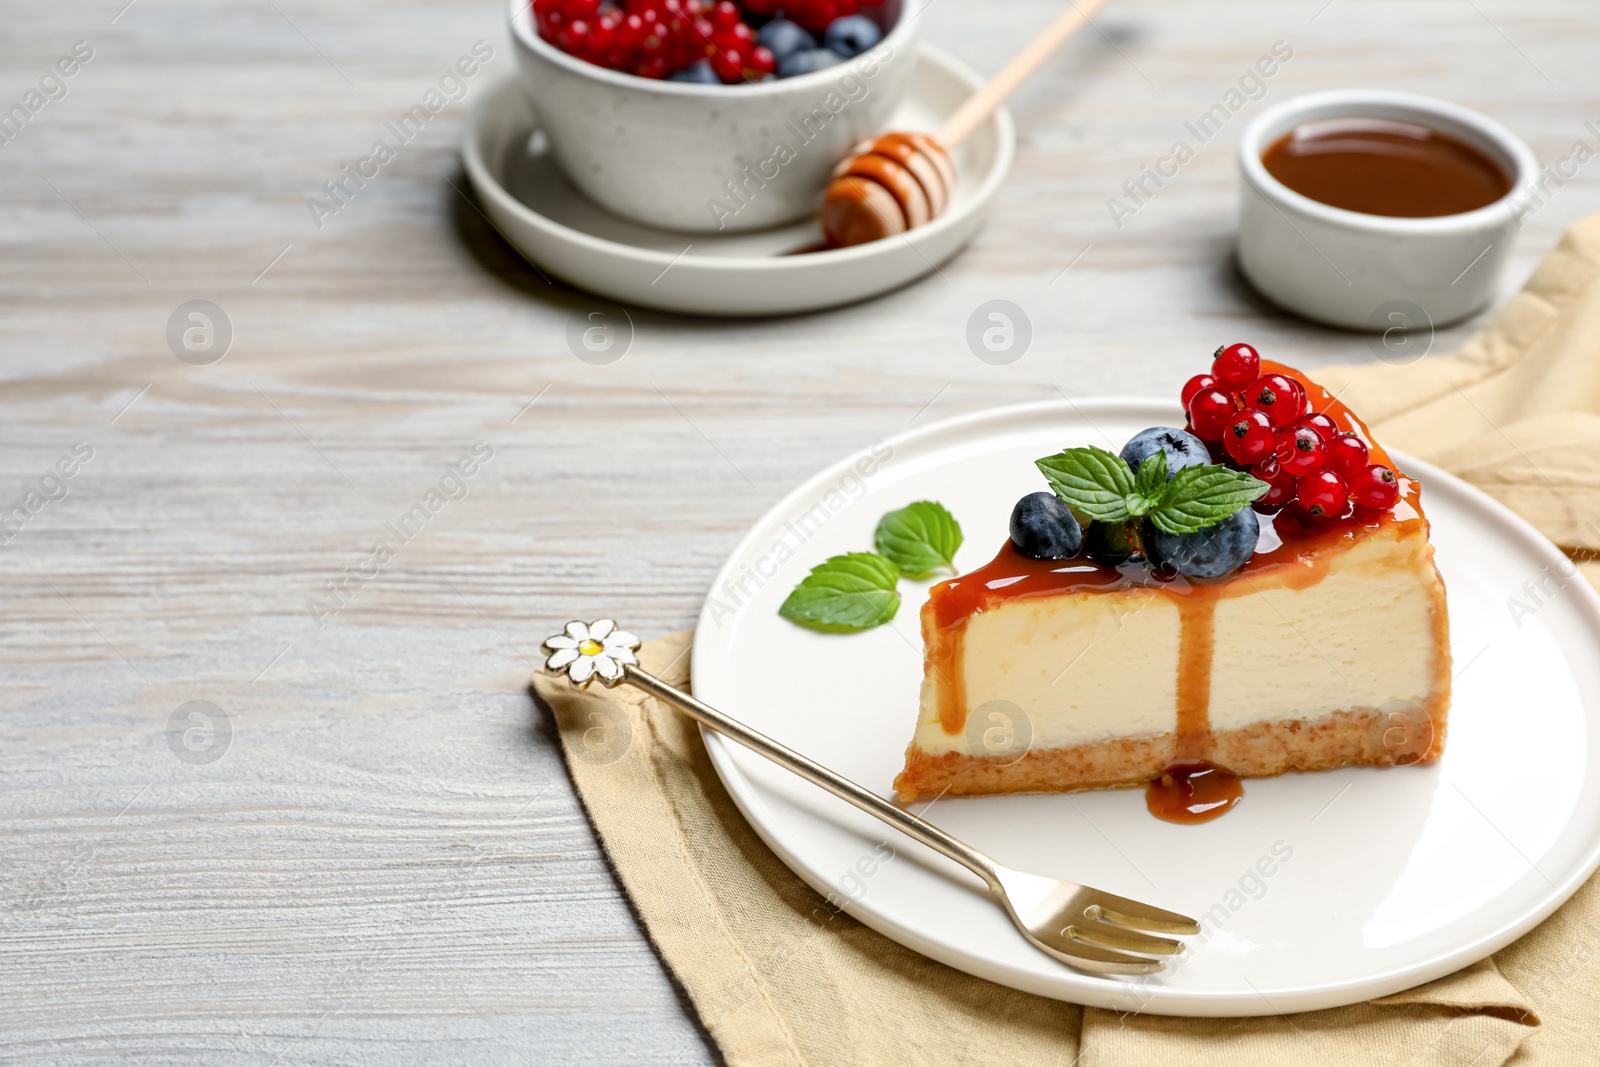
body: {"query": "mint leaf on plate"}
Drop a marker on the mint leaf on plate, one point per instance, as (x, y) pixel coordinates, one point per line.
(1090, 481)
(845, 594)
(1198, 497)
(920, 538)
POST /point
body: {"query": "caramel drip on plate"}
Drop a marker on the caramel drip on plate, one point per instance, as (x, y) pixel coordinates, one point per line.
(1193, 792)
(1193, 789)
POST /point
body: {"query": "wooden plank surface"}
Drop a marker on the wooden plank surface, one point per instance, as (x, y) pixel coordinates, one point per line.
(387, 865)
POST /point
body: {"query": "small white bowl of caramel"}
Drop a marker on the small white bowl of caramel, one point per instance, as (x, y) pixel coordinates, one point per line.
(1376, 210)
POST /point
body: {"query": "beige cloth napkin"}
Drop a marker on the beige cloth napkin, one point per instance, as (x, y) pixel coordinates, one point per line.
(780, 976)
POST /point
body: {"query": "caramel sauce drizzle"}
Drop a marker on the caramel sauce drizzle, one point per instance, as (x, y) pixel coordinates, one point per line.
(1192, 789)
(1197, 639)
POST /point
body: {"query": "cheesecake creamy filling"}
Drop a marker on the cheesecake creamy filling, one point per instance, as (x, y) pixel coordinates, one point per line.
(1363, 636)
(1083, 667)
(1366, 629)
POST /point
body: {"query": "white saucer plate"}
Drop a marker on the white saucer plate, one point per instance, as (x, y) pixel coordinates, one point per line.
(1317, 890)
(567, 235)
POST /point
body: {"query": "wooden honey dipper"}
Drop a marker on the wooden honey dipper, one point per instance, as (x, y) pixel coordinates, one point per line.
(904, 180)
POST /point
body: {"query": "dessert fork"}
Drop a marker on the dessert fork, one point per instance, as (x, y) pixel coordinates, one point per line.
(1081, 926)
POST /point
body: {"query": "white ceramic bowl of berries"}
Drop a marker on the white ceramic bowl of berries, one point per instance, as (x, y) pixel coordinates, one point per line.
(710, 117)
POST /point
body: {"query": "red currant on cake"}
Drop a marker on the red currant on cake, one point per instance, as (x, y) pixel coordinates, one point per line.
(1236, 366)
(1250, 437)
(1275, 499)
(1194, 385)
(1325, 427)
(1281, 486)
(1323, 493)
(1300, 451)
(1347, 456)
(1279, 395)
(1376, 487)
(1210, 411)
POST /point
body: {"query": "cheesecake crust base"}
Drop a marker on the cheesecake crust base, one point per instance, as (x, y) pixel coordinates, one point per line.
(1399, 734)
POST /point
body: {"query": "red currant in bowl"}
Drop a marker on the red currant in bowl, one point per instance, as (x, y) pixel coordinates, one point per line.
(728, 61)
(663, 39)
(741, 34)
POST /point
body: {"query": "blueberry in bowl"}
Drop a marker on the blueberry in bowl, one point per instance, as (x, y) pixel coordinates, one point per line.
(807, 62)
(851, 35)
(784, 38)
(697, 73)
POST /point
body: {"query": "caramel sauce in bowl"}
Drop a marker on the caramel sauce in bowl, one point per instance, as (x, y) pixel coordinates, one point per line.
(1371, 210)
(1384, 167)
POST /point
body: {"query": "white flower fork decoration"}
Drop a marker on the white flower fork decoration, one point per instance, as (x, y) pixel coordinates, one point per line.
(1088, 929)
(598, 648)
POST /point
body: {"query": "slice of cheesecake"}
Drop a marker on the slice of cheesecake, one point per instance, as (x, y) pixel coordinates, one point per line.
(1328, 647)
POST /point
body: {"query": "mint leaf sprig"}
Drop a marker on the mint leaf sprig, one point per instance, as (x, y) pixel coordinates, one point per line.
(1101, 486)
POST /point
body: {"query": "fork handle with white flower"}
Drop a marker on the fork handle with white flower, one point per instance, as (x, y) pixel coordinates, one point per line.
(1084, 927)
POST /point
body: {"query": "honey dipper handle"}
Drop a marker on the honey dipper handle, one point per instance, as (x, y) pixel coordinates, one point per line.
(982, 103)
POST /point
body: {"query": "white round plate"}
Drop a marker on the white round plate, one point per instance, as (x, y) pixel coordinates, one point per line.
(1317, 890)
(552, 224)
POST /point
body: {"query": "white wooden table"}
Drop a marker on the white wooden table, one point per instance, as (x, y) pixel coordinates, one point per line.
(387, 864)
